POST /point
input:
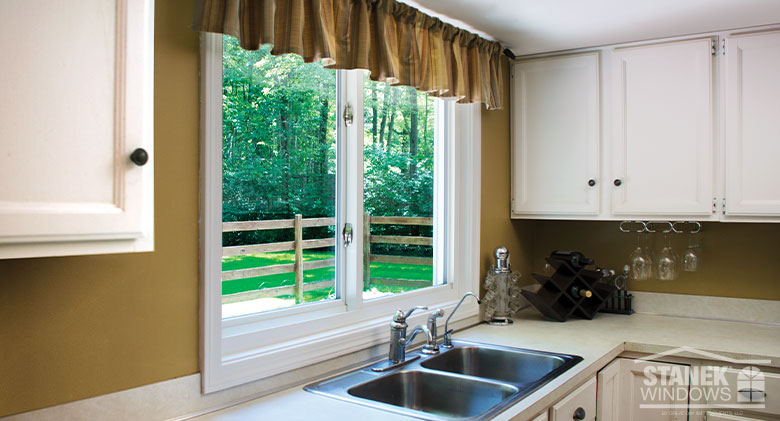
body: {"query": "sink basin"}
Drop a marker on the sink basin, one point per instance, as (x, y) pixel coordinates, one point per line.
(514, 366)
(448, 396)
(468, 382)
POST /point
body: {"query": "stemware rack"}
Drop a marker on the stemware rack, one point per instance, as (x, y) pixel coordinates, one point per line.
(556, 298)
(671, 226)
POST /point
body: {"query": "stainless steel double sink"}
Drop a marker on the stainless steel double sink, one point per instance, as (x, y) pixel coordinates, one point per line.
(472, 380)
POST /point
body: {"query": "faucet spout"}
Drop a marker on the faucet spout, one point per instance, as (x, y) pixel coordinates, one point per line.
(417, 329)
(447, 342)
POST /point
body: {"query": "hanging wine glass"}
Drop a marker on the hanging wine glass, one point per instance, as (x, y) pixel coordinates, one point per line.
(640, 260)
(667, 261)
(691, 258)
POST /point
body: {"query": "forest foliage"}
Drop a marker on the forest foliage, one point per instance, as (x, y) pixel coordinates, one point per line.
(279, 147)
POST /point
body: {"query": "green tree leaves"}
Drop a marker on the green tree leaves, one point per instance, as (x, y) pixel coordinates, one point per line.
(279, 145)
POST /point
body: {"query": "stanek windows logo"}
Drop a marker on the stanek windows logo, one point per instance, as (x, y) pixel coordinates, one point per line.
(673, 386)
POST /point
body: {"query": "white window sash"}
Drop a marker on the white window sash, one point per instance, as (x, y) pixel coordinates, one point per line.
(244, 349)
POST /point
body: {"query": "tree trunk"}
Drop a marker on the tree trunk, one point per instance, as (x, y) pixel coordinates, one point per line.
(284, 151)
(374, 116)
(385, 107)
(391, 111)
(322, 170)
(425, 121)
(413, 135)
(322, 135)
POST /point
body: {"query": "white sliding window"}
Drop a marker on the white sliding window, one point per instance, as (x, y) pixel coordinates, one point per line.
(316, 225)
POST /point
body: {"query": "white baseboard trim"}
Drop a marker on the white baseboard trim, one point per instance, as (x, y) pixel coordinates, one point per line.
(708, 307)
(181, 398)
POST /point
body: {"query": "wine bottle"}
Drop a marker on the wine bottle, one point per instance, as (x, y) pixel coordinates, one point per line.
(578, 292)
(575, 258)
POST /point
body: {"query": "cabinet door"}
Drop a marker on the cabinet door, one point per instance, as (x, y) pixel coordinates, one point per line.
(555, 136)
(608, 396)
(662, 129)
(77, 101)
(752, 125)
(657, 401)
(578, 405)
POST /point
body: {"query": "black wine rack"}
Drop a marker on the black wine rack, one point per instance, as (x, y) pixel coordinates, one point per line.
(555, 299)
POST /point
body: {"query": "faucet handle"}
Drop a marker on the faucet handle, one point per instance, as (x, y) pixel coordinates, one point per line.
(435, 315)
(401, 317)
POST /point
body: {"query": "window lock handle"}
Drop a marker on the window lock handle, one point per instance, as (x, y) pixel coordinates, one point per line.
(348, 115)
(346, 234)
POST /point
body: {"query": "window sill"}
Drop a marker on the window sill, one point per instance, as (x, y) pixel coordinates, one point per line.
(242, 367)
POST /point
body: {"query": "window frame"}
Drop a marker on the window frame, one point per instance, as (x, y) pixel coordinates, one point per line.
(240, 350)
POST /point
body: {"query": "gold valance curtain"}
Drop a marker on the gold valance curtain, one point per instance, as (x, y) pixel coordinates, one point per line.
(396, 42)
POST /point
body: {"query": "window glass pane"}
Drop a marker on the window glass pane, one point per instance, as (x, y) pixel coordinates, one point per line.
(278, 180)
(398, 189)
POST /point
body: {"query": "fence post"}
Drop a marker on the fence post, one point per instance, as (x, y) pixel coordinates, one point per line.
(298, 227)
(366, 249)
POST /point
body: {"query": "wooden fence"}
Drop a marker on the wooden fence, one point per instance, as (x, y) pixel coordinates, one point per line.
(299, 244)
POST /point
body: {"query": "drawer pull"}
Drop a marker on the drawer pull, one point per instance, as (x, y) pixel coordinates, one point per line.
(579, 414)
(755, 395)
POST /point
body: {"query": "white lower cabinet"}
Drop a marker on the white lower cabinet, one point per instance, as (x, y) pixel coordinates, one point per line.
(640, 390)
(608, 396)
(578, 405)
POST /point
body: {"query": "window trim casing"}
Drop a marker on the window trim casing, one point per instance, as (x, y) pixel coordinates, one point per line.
(342, 335)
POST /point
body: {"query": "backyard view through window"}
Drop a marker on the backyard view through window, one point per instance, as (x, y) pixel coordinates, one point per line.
(398, 188)
(279, 177)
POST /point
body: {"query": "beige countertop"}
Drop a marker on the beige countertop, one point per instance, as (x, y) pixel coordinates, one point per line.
(597, 341)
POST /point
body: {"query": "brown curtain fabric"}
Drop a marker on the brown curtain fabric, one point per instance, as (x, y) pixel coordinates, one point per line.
(396, 42)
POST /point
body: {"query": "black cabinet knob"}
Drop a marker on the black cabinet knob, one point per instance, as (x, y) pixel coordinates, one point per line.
(579, 414)
(591, 182)
(618, 182)
(139, 157)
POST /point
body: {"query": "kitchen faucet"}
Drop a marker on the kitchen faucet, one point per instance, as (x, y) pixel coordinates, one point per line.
(398, 339)
(432, 348)
(447, 332)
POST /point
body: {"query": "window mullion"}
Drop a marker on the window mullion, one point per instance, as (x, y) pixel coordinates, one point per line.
(352, 200)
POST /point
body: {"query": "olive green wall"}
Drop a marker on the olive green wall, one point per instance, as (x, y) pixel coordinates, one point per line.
(75, 327)
(496, 228)
(738, 260)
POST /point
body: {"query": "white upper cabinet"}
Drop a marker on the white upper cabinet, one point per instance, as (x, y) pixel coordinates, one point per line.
(691, 131)
(662, 129)
(752, 125)
(555, 136)
(77, 94)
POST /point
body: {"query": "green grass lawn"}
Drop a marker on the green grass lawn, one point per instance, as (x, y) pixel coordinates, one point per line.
(378, 270)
